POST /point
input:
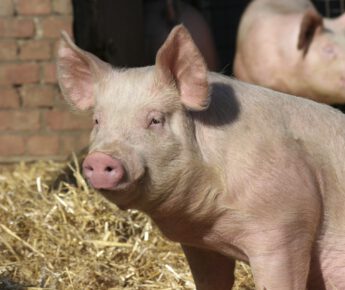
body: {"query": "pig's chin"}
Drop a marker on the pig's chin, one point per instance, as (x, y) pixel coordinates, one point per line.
(125, 195)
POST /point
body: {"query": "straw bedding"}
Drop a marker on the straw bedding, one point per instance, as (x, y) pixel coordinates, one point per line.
(71, 238)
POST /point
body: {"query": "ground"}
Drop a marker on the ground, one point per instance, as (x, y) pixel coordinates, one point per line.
(71, 238)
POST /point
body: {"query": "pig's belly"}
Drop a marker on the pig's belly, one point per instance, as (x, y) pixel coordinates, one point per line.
(328, 265)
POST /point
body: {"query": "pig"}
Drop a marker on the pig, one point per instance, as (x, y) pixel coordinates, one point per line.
(161, 16)
(288, 46)
(228, 169)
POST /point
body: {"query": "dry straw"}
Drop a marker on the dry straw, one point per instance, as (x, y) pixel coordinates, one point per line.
(70, 238)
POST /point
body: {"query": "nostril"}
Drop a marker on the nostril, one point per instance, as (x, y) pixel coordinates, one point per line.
(88, 168)
(109, 169)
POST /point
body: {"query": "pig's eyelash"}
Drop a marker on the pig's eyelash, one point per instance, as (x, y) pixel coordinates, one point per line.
(96, 122)
(155, 121)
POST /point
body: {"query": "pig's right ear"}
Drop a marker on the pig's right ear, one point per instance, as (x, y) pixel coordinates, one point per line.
(179, 61)
(310, 22)
(78, 71)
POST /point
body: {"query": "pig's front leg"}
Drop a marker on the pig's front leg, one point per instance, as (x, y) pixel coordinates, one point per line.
(211, 271)
(282, 265)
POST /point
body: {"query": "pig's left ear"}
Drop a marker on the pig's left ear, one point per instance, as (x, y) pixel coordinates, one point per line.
(310, 22)
(180, 61)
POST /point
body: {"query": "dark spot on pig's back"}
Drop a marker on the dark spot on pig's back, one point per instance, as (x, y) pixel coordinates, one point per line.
(223, 109)
(340, 107)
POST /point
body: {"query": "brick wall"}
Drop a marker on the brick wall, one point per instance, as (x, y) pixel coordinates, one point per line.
(35, 123)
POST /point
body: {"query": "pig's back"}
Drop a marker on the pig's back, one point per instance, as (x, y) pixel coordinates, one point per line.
(319, 128)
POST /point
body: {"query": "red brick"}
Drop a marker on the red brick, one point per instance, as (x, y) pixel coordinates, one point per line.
(35, 50)
(38, 95)
(33, 7)
(65, 120)
(61, 102)
(8, 50)
(19, 120)
(16, 27)
(62, 6)
(74, 143)
(19, 73)
(51, 26)
(43, 145)
(11, 145)
(9, 98)
(6, 8)
(49, 72)
(56, 47)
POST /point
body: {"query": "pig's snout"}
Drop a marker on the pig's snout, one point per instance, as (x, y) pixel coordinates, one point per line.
(103, 171)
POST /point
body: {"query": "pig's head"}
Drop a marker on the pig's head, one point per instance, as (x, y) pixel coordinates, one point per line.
(321, 43)
(142, 143)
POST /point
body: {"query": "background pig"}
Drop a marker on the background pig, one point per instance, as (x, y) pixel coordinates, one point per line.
(161, 16)
(288, 46)
(228, 169)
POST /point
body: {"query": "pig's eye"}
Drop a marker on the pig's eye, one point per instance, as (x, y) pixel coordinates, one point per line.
(96, 122)
(155, 120)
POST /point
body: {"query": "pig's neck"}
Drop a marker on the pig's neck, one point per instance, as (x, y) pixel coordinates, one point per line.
(189, 211)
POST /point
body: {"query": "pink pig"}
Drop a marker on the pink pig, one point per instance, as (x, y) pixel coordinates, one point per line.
(230, 170)
(289, 47)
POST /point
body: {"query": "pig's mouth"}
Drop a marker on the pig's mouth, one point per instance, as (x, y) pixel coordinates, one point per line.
(127, 194)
